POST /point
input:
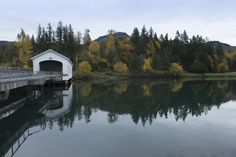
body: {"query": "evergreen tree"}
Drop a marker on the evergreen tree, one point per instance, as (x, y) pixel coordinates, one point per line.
(136, 63)
(59, 36)
(38, 44)
(144, 41)
(151, 34)
(135, 40)
(71, 43)
(49, 37)
(44, 40)
(86, 38)
(184, 37)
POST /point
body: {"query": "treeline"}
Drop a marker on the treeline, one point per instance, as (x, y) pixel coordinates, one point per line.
(143, 51)
(63, 39)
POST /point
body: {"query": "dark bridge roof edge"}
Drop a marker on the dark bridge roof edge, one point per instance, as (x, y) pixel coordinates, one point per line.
(50, 50)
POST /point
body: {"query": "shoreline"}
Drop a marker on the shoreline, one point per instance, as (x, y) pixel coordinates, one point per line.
(112, 76)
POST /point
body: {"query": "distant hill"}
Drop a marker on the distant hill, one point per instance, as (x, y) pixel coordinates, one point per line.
(122, 35)
(5, 43)
(119, 35)
(225, 46)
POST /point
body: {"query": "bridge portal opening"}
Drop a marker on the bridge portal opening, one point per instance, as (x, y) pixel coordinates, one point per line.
(50, 66)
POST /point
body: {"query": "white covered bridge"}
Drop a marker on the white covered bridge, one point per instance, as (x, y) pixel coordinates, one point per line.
(47, 66)
(51, 60)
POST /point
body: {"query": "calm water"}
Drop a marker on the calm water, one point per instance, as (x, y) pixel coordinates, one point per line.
(133, 119)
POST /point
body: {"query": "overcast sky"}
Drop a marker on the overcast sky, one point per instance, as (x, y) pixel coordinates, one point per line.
(215, 19)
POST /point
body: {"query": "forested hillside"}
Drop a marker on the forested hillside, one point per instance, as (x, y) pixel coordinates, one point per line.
(142, 51)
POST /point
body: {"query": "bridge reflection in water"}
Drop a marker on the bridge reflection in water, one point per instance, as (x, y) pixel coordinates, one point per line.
(29, 115)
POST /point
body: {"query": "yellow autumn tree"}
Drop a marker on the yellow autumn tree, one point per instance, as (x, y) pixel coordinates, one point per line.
(94, 48)
(94, 55)
(126, 48)
(176, 68)
(93, 52)
(147, 65)
(24, 49)
(120, 67)
(110, 44)
(84, 68)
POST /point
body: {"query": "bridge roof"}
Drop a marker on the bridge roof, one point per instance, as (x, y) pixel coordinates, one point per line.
(50, 50)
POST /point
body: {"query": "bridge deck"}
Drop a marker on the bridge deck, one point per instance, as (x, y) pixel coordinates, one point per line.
(10, 79)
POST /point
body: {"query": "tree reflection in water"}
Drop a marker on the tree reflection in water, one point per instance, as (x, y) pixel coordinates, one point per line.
(145, 101)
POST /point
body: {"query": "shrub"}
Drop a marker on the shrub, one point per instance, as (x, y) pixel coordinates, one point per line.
(120, 67)
(176, 68)
(84, 68)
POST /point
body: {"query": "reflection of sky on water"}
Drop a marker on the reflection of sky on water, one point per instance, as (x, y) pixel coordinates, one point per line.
(210, 135)
(135, 119)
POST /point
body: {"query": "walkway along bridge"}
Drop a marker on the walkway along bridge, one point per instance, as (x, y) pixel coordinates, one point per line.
(15, 78)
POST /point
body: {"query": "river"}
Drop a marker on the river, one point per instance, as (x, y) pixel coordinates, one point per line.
(124, 118)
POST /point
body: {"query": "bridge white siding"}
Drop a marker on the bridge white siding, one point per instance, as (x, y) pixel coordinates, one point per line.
(51, 55)
(69, 70)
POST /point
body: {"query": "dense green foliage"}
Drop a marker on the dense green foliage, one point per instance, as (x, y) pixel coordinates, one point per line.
(7, 54)
(143, 51)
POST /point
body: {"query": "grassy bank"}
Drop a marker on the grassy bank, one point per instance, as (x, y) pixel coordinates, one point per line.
(155, 75)
(208, 75)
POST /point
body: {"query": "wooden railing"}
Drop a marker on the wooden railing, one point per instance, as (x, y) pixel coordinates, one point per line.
(14, 68)
(9, 74)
